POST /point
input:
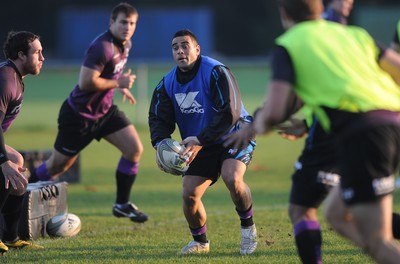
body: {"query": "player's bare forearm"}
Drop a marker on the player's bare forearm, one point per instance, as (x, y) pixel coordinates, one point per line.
(390, 62)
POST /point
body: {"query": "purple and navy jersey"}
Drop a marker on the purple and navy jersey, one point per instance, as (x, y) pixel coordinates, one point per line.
(11, 93)
(204, 102)
(108, 56)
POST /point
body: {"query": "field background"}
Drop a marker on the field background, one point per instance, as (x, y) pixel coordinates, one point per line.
(106, 239)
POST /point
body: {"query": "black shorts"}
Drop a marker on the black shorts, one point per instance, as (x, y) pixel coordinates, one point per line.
(76, 132)
(208, 162)
(311, 185)
(316, 170)
(368, 160)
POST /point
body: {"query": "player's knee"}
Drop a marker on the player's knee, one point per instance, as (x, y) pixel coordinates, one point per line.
(331, 216)
(137, 151)
(189, 198)
(293, 214)
(372, 248)
(140, 149)
(20, 160)
(57, 167)
(16, 158)
(233, 180)
(134, 153)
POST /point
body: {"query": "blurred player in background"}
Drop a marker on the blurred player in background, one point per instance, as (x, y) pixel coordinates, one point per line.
(201, 96)
(23, 52)
(352, 95)
(89, 112)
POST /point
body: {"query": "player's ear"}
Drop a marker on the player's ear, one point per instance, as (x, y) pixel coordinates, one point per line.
(21, 55)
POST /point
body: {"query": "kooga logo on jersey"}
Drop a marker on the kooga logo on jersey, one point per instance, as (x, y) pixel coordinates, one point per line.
(188, 104)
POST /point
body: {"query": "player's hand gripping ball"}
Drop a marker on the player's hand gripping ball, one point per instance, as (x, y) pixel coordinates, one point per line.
(63, 225)
(169, 157)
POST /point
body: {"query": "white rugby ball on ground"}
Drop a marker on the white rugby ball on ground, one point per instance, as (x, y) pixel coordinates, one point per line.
(63, 225)
(168, 156)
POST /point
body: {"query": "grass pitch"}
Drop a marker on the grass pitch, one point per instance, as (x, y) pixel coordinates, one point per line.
(106, 239)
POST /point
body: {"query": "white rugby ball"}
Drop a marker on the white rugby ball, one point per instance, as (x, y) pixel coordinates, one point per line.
(168, 156)
(63, 225)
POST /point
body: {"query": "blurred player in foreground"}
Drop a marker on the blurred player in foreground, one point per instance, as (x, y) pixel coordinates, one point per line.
(353, 95)
(89, 112)
(316, 170)
(202, 97)
(23, 51)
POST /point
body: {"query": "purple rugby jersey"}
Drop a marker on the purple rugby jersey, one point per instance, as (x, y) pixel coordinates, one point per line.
(11, 93)
(107, 55)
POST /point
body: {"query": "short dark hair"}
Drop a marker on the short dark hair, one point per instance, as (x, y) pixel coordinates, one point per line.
(302, 10)
(125, 8)
(17, 41)
(186, 32)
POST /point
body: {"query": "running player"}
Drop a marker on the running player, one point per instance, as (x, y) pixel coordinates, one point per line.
(353, 96)
(316, 170)
(89, 113)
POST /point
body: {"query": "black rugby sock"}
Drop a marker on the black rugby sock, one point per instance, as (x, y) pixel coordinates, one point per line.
(124, 185)
(199, 234)
(201, 238)
(4, 193)
(308, 241)
(246, 217)
(11, 214)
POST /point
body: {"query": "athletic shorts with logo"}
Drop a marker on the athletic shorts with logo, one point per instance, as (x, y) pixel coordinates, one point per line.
(316, 170)
(208, 162)
(369, 159)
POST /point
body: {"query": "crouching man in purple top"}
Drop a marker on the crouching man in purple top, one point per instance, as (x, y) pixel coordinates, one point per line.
(23, 51)
(89, 112)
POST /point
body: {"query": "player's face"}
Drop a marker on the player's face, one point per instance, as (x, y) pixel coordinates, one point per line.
(123, 27)
(33, 61)
(185, 52)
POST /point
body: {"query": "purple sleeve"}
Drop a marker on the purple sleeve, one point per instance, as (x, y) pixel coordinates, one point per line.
(96, 56)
